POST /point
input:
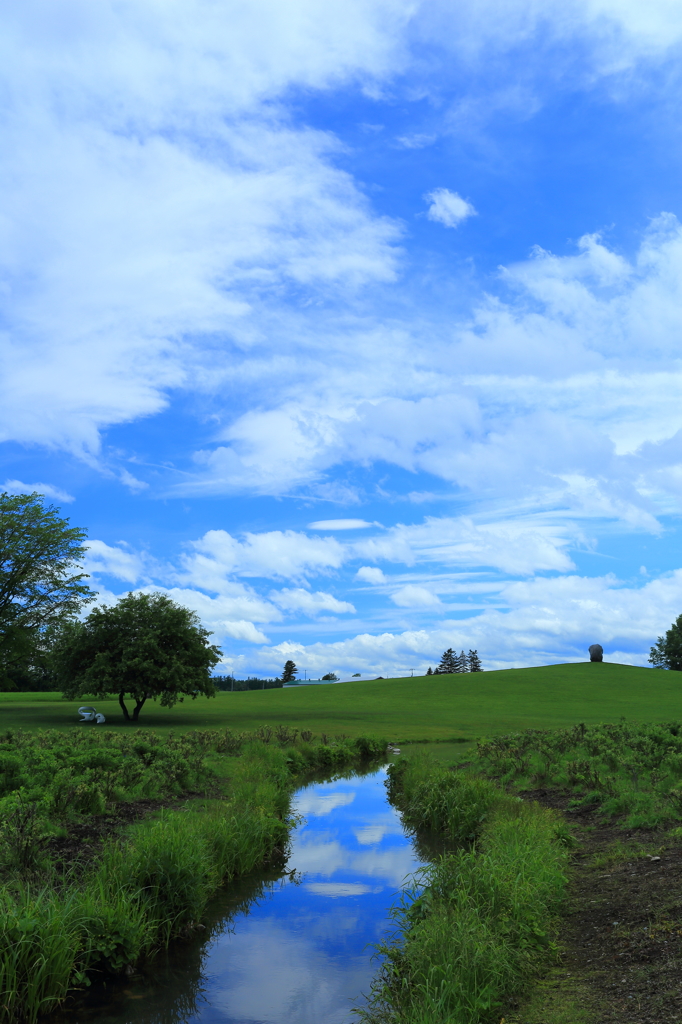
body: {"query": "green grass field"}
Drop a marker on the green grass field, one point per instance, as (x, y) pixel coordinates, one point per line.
(424, 708)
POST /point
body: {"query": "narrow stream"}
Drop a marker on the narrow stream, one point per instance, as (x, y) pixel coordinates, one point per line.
(285, 948)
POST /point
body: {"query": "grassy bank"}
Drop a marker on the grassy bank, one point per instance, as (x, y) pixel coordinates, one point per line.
(482, 920)
(618, 789)
(434, 707)
(134, 893)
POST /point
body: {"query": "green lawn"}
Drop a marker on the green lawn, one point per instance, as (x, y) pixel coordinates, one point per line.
(427, 708)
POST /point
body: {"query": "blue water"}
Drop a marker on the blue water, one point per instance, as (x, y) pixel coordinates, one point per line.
(286, 948)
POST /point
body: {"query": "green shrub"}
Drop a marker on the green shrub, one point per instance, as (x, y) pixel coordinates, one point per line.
(24, 833)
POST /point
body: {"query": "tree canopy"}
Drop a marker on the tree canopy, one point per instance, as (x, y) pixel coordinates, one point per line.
(144, 647)
(667, 651)
(41, 582)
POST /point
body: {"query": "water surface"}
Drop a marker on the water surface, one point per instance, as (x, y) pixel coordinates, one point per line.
(286, 948)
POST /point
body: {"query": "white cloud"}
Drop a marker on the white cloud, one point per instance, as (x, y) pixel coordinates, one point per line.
(159, 196)
(370, 574)
(119, 562)
(339, 524)
(154, 190)
(242, 630)
(448, 207)
(49, 490)
(234, 605)
(317, 603)
(541, 621)
(272, 554)
(615, 34)
(520, 545)
(581, 412)
(414, 596)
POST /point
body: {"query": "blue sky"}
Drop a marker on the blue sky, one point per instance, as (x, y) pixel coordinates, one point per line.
(355, 327)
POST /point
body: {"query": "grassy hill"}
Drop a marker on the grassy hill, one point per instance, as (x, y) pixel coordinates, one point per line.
(426, 708)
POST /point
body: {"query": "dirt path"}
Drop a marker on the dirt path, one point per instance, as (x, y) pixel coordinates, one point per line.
(622, 933)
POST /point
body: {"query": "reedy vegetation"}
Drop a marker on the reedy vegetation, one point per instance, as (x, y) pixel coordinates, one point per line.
(479, 922)
(154, 883)
(628, 770)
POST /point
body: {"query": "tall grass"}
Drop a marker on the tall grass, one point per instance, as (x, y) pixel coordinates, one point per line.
(432, 796)
(479, 922)
(40, 943)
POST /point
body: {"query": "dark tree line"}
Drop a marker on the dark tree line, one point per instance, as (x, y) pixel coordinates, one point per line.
(240, 685)
(452, 662)
(289, 673)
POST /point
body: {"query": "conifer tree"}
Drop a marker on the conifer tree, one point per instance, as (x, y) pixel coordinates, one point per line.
(289, 672)
(448, 663)
(429, 671)
(462, 663)
(474, 662)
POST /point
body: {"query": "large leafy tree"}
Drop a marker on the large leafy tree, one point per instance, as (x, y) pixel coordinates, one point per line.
(667, 651)
(144, 647)
(41, 581)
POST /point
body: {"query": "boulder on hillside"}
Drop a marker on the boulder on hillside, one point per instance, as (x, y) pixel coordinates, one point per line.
(596, 652)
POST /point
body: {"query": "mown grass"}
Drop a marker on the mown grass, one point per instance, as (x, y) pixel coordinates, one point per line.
(423, 708)
(154, 883)
(481, 921)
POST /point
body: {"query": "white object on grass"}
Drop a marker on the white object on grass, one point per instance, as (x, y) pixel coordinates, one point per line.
(90, 714)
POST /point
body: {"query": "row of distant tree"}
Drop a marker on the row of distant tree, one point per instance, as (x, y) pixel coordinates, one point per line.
(289, 673)
(251, 683)
(454, 662)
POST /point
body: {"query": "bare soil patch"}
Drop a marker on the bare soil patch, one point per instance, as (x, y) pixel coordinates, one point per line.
(86, 836)
(622, 933)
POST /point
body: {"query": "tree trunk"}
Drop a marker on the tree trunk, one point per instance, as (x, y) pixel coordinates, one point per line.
(139, 704)
(124, 709)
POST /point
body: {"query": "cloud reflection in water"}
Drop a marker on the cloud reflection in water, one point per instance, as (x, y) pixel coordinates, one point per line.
(303, 956)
